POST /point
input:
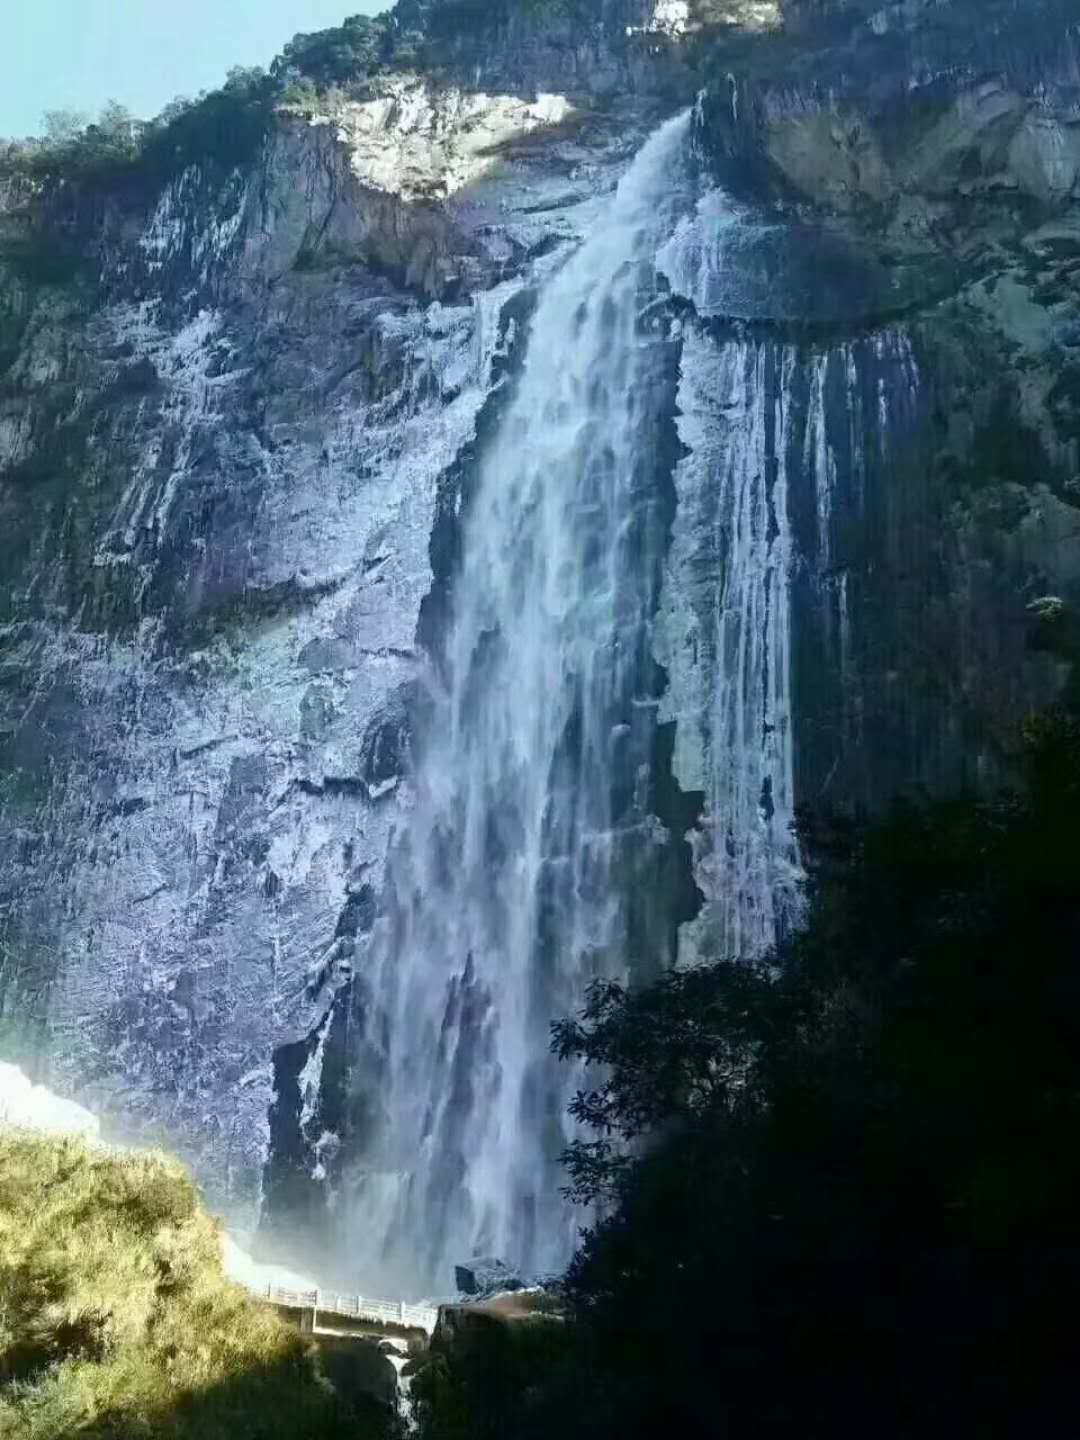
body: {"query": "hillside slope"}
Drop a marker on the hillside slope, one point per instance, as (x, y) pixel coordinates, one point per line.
(117, 1321)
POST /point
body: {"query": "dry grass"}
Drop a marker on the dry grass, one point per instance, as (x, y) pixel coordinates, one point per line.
(116, 1319)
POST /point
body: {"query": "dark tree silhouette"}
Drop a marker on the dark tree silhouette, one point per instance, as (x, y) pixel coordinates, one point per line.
(839, 1189)
(844, 1187)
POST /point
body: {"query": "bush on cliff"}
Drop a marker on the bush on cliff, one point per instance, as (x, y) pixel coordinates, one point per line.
(117, 1321)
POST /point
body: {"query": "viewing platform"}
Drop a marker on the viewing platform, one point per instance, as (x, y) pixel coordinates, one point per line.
(320, 1308)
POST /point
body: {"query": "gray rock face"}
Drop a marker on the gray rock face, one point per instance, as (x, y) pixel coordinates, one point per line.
(885, 438)
(220, 466)
(241, 421)
(486, 1277)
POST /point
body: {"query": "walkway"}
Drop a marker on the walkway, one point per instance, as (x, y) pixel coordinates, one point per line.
(391, 1314)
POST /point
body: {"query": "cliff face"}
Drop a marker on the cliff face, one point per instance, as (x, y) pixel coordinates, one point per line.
(221, 440)
(240, 416)
(911, 177)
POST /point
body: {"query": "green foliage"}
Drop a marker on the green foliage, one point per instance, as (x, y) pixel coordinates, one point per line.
(426, 31)
(684, 1048)
(223, 127)
(74, 147)
(339, 55)
(302, 94)
(455, 18)
(415, 32)
(839, 1191)
(116, 1320)
(860, 1193)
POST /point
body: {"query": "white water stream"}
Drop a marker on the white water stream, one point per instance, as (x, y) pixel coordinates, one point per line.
(502, 901)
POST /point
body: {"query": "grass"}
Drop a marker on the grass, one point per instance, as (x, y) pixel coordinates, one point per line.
(116, 1319)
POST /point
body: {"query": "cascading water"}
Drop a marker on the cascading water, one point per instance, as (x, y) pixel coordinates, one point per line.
(514, 884)
(725, 638)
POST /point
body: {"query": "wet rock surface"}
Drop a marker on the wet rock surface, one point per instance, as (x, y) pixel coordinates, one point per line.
(486, 1276)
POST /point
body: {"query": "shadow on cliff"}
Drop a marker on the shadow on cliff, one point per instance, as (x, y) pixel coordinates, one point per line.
(262, 1404)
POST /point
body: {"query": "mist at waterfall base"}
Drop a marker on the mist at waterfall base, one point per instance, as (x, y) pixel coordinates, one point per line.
(514, 884)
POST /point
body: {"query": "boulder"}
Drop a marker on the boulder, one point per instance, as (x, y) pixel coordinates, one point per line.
(486, 1276)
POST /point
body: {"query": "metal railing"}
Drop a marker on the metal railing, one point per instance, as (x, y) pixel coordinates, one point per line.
(353, 1307)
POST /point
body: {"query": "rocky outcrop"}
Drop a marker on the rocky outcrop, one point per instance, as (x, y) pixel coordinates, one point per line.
(486, 1358)
(486, 1276)
(363, 1371)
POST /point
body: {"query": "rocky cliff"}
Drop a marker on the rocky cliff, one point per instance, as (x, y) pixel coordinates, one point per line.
(242, 408)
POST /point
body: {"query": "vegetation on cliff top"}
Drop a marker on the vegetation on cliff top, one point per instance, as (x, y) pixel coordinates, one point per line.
(117, 1321)
(223, 126)
(226, 126)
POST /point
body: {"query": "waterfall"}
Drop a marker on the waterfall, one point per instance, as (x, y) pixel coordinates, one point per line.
(514, 884)
(751, 797)
(724, 635)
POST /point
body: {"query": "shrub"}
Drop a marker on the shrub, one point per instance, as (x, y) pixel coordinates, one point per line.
(116, 1319)
(223, 127)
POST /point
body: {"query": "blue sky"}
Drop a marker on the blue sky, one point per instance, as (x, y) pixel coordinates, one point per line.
(76, 54)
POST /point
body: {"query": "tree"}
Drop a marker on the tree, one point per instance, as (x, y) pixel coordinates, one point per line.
(63, 126)
(674, 1056)
(339, 56)
(113, 138)
(842, 1190)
